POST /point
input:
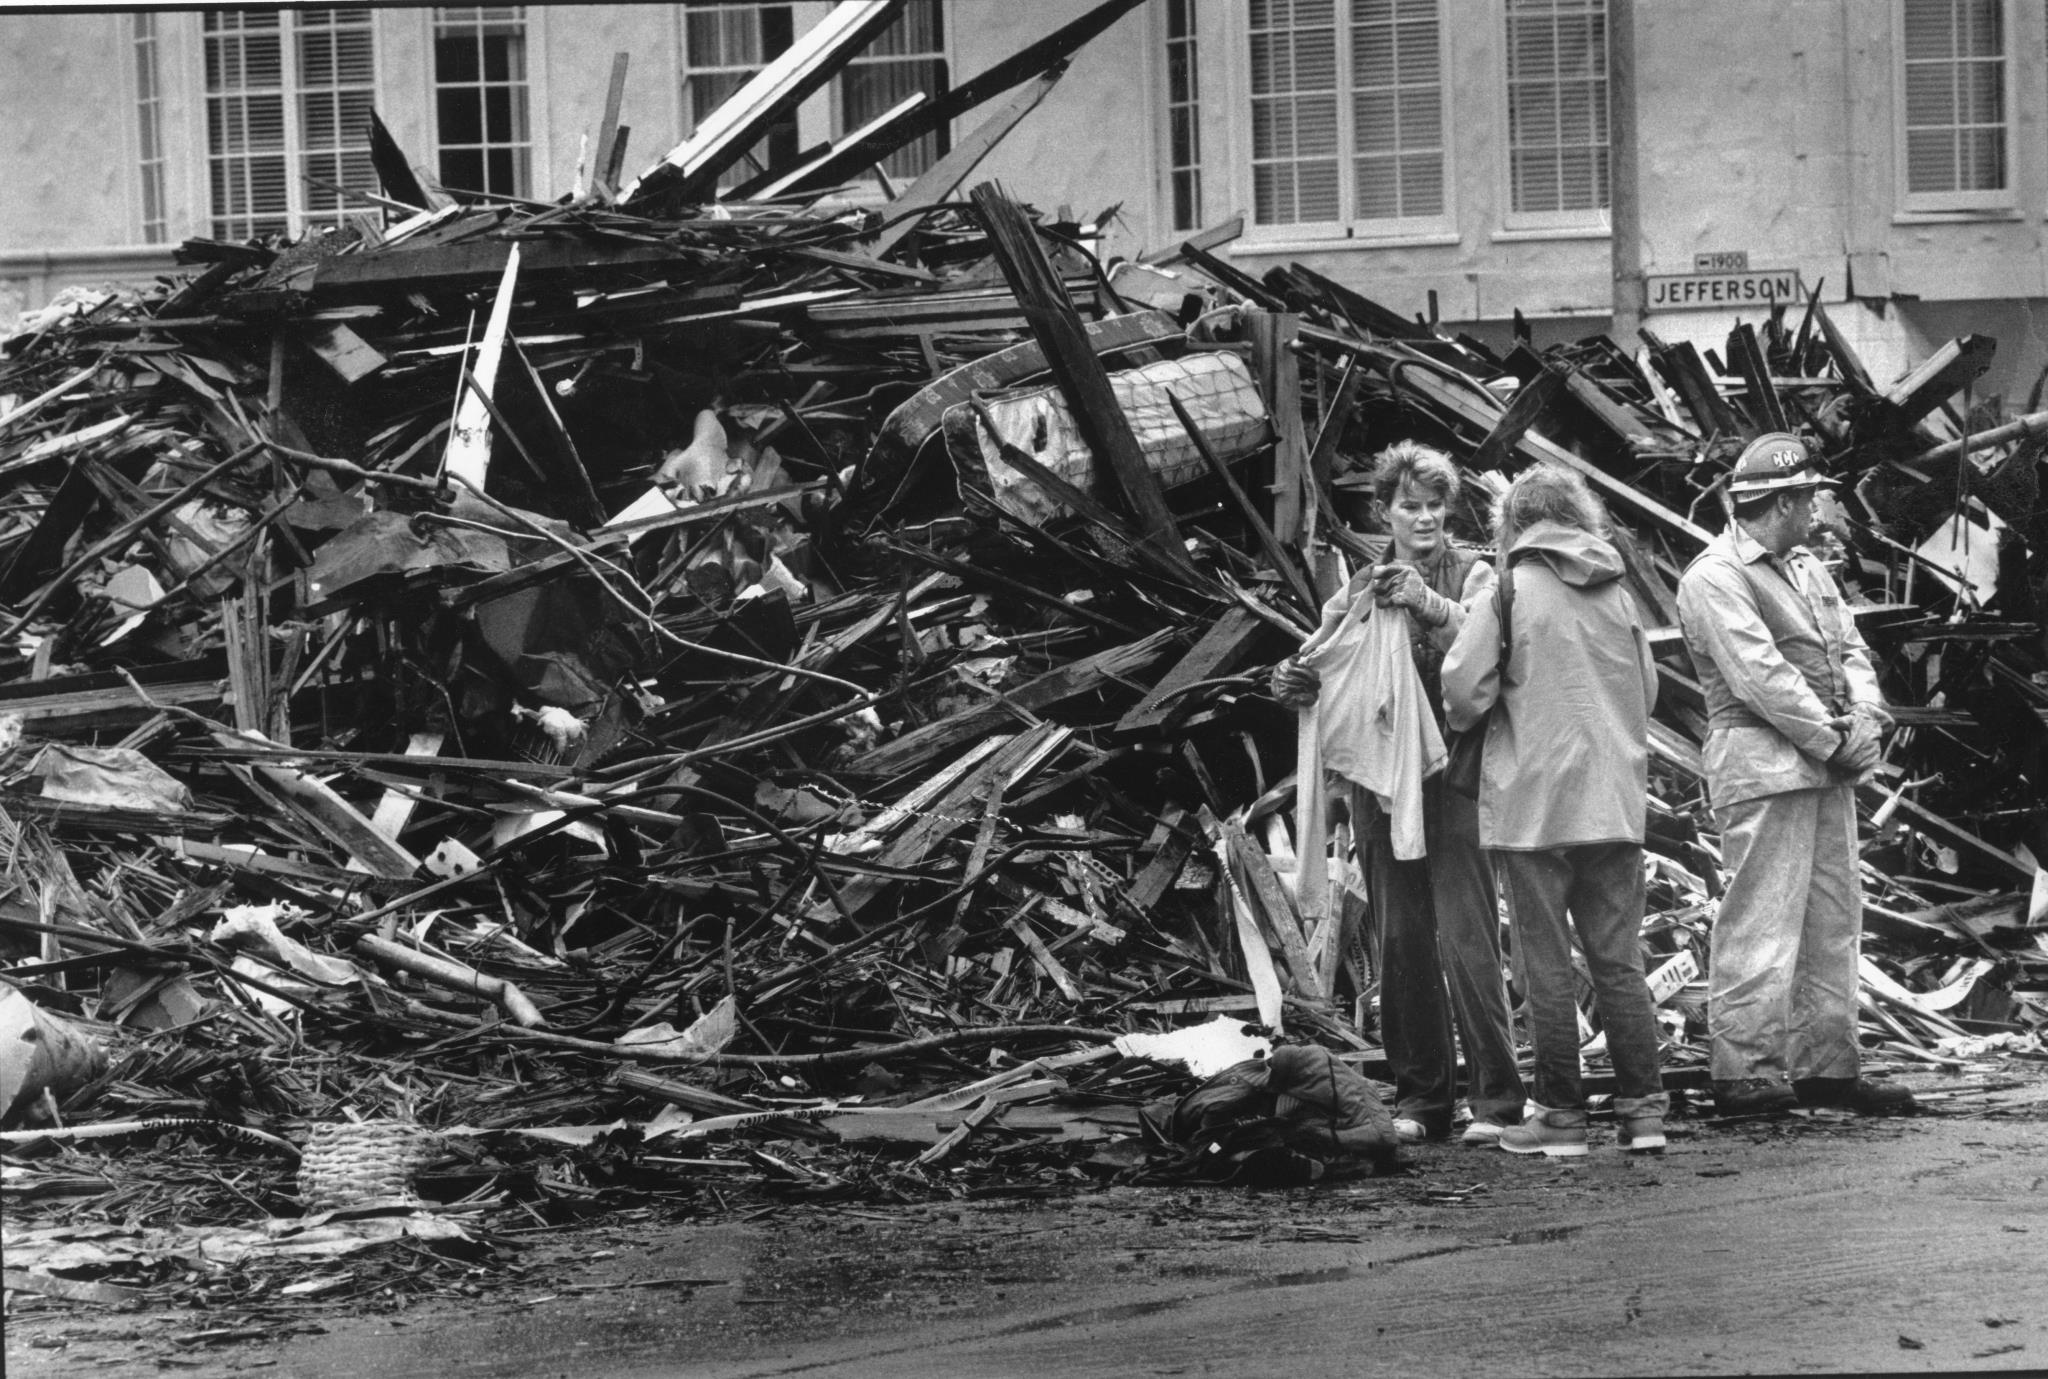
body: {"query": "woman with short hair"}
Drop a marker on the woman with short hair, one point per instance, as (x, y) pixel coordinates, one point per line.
(1436, 916)
(1563, 784)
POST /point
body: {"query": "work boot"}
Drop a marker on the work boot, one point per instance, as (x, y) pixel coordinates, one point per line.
(1858, 1094)
(1546, 1130)
(1640, 1134)
(1752, 1096)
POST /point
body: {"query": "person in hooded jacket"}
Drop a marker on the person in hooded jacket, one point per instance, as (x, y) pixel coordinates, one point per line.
(1563, 785)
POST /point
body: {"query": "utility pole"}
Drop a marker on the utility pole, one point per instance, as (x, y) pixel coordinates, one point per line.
(1625, 212)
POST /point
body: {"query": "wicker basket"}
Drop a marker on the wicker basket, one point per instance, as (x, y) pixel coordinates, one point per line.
(362, 1163)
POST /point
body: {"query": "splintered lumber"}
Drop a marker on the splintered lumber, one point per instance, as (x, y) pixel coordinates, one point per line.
(1082, 379)
(1940, 376)
(1258, 958)
(454, 976)
(1747, 357)
(724, 136)
(1274, 906)
(1226, 642)
(1276, 555)
(1009, 761)
(1534, 398)
(1273, 335)
(331, 816)
(939, 181)
(1046, 56)
(468, 458)
(1082, 676)
(1019, 924)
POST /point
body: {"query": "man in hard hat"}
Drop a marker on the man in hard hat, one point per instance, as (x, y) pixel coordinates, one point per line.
(1794, 717)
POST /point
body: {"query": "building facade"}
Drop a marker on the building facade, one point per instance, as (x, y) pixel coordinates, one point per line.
(1445, 155)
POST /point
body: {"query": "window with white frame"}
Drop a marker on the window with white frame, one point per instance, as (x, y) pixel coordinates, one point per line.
(149, 128)
(288, 100)
(1183, 117)
(1347, 120)
(907, 57)
(482, 104)
(724, 45)
(1557, 111)
(1954, 115)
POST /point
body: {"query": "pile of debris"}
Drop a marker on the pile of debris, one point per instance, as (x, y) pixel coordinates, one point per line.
(493, 698)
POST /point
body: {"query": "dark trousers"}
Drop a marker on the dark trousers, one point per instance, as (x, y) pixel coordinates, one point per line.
(1600, 886)
(1438, 927)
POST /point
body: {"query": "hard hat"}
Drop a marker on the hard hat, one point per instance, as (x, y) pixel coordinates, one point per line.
(1773, 461)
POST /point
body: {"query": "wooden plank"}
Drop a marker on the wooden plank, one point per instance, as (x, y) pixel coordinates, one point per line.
(1082, 379)
(608, 130)
(1619, 420)
(948, 812)
(1033, 60)
(942, 178)
(1221, 648)
(1061, 683)
(331, 816)
(1940, 376)
(351, 357)
(1170, 845)
(1279, 375)
(1282, 561)
(1258, 959)
(1276, 906)
(691, 168)
(1529, 403)
(1747, 357)
(1019, 925)
(1686, 372)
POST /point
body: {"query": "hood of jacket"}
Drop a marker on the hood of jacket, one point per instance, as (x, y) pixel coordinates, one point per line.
(1574, 555)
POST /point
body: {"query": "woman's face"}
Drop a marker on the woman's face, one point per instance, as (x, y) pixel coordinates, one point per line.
(1416, 519)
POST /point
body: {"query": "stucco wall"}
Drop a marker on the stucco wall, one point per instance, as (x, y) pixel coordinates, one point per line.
(66, 143)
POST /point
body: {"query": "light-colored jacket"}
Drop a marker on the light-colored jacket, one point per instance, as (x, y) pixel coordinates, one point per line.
(1566, 760)
(1778, 655)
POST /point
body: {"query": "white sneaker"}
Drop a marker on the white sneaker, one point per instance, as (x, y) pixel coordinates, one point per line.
(1481, 1132)
(1408, 1130)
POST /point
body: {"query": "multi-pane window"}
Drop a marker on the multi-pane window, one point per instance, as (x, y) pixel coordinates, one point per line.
(288, 100)
(907, 57)
(149, 129)
(1954, 67)
(1557, 105)
(1183, 116)
(1346, 111)
(482, 105)
(723, 46)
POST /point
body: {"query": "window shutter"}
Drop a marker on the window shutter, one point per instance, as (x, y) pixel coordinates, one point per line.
(1954, 96)
(1396, 109)
(1295, 154)
(1558, 135)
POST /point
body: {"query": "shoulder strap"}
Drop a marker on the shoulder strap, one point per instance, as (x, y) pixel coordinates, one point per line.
(1504, 593)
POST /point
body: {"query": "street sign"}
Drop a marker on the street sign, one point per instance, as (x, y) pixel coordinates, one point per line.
(1721, 261)
(1678, 291)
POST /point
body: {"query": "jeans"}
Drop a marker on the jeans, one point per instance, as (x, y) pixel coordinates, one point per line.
(1601, 886)
(1781, 988)
(1438, 923)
